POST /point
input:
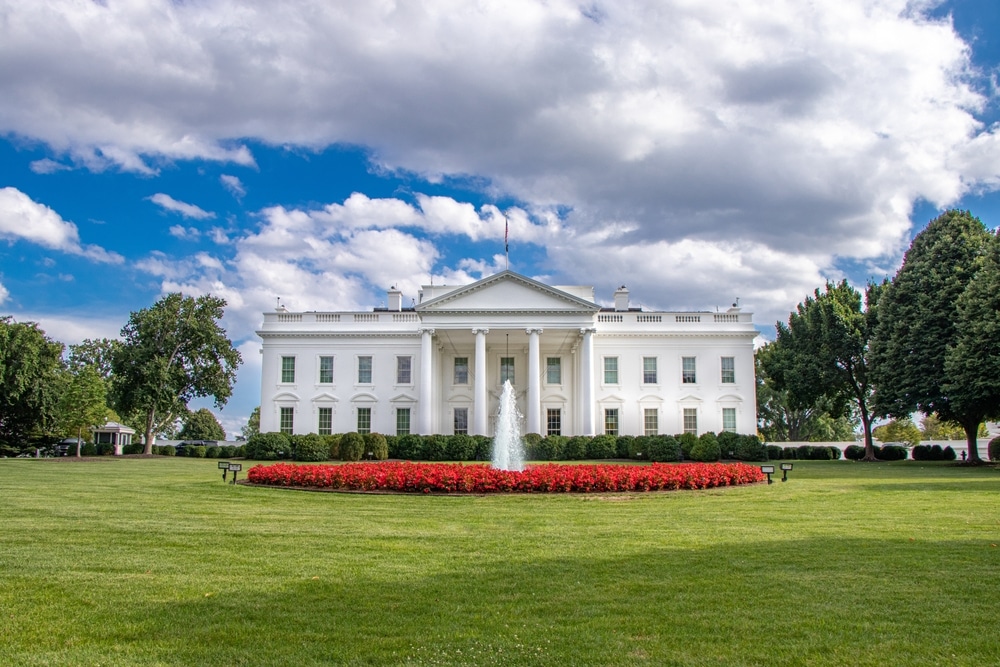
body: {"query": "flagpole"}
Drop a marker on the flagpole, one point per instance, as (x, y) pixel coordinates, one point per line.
(506, 245)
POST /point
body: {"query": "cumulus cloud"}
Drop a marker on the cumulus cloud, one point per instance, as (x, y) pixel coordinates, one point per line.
(187, 210)
(23, 219)
(233, 185)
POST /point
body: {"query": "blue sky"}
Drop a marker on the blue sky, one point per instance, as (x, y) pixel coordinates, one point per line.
(320, 153)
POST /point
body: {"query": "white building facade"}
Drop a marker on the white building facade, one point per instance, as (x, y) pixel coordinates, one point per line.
(439, 366)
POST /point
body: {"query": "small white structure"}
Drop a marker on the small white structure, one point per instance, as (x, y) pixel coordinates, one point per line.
(114, 434)
(440, 366)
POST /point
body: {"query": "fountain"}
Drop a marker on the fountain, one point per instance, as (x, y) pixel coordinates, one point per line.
(508, 451)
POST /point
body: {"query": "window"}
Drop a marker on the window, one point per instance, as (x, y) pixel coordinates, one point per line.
(688, 375)
(364, 420)
(288, 369)
(650, 421)
(729, 419)
(326, 370)
(610, 370)
(402, 421)
(649, 370)
(403, 375)
(553, 370)
(553, 418)
(691, 420)
(611, 421)
(286, 422)
(506, 369)
(461, 421)
(728, 370)
(325, 425)
(461, 370)
(364, 370)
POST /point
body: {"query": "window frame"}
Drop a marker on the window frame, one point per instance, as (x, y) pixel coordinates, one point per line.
(650, 370)
(611, 375)
(286, 426)
(731, 412)
(553, 421)
(728, 375)
(692, 426)
(460, 426)
(364, 420)
(556, 367)
(403, 415)
(287, 369)
(455, 371)
(647, 413)
(507, 370)
(370, 369)
(322, 360)
(689, 375)
(612, 421)
(404, 364)
(327, 428)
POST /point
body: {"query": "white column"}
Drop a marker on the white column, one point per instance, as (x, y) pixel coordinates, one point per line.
(480, 408)
(426, 425)
(534, 383)
(587, 381)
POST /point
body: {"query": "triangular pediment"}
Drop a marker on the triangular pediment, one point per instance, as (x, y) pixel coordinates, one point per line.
(507, 292)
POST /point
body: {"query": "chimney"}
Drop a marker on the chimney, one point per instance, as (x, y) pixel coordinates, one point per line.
(621, 298)
(395, 299)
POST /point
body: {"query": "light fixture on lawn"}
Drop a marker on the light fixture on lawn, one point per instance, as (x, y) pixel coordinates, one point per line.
(224, 467)
(768, 470)
(235, 468)
(785, 467)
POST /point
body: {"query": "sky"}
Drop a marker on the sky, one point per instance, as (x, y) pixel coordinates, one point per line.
(319, 153)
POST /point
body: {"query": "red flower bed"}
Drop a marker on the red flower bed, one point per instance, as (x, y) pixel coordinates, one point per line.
(548, 478)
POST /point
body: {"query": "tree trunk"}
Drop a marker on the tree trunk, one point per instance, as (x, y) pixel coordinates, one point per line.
(148, 446)
(78, 436)
(971, 431)
(866, 422)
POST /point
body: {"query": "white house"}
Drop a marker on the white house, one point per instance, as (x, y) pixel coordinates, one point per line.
(439, 366)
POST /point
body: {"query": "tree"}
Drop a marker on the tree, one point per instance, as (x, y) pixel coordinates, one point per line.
(252, 427)
(779, 421)
(98, 354)
(30, 364)
(935, 429)
(898, 430)
(202, 425)
(83, 403)
(173, 352)
(918, 329)
(823, 352)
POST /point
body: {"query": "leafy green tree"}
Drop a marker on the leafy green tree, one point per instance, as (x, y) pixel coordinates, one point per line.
(918, 329)
(823, 352)
(30, 367)
(252, 427)
(898, 430)
(172, 352)
(935, 429)
(98, 354)
(202, 425)
(83, 403)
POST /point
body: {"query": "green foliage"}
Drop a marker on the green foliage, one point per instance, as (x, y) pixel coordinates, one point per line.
(623, 445)
(83, 402)
(268, 447)
(202, 425)
(213, 452)
(933, 428)
(602, 447)
(435, 448)
(705, 449)
(898, 430)
(96, 354)
(531, 442)
(376, 446)
(727, 442)
(949, 453)
(994, 449)
(774, 452)
(165, 450)
(352, 446)
(462, 447)
(196, 451)
(575, 448)
(790, 453)
(132, 448)
(551, 448)
(891, 453)
(687, 441)
(409, 447)
(484, 447)
(854, 452)
(30, 365)
(639, 446)
(332, 442)
(662, 448)
(748, 448)
(311, 447)
(173, 352)
(252, 427)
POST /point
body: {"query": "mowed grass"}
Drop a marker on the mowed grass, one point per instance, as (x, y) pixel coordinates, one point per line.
(157, 562)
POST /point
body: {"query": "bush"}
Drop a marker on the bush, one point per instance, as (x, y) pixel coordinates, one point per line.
(921, 453)
(352, 446)
(551, 448)
(267, 447)
(623, 446)
(376, 446)
(602, 447)
(461, 447)
(727, 443)
(687, 441)
(165, 450)
(774, 452)
(949, 454)
(891, 453)
(332, 446)
(134, 448)
(435, 448)
(993, 449)
(294, 440)
(639, 446)
(575, 448)
(662, 448)
(408, 447)
(196, 451)
(706, 449)
(390, 443)
(484, 447)
(748, 448)
(531, 444)
(311, 447)
(213, 452)
(105, 449)
(790, 453)
(834, 453)
(804, 452)
(854, 452)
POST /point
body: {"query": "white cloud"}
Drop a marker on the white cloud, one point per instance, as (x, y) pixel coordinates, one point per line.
(233, 185)
(186, 210)
(185, 233)
(4, 294)
(47, 166)
(23, 219)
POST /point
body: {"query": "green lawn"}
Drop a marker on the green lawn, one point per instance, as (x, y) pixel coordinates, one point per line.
(156, 562)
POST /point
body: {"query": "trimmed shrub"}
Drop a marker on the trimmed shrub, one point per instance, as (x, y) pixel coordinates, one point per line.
(891, 453)
(390, 443)
(213, 452)
(408, 447)
(460, 447)
(575, 448)
(196, 451)
(267, 447)
(748, 448)
(993, 449)
(705, 450)
(376, 446)
(238, 450)
(602, 447)
(105, 449)
(134, 448)
(531, 442)
(921, 453)
(804, 452)
(484, 447)
(551, 448)
(662, 448)
(835, 453)
(88, 449)
(352, 446)
(332, 446)
(854, 452)
(165, 450)
(638, 448)
(949, 454)
(311, 447)
(293, 443)
(727, 443)
(687, 441)
(435, 448)
(774, 452)
(623, 446)
(790, 453)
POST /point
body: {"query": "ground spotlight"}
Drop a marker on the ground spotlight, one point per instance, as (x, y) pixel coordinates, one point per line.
(785, 467)
(768, 470)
